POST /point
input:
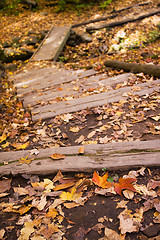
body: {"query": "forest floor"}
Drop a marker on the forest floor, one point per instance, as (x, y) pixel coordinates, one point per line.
(83, 206)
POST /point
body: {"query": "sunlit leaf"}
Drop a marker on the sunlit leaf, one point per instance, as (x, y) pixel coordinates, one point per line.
(124, 183)
(57, 156)
(81, 150)
(70, 196)
(101, 181)
(26, 231)
(20, 190)
(74, 129)
(19, 146)
(3, 137)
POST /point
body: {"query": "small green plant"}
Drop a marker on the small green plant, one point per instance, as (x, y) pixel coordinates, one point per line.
(154, 35)
(105, 4)
(62, 59)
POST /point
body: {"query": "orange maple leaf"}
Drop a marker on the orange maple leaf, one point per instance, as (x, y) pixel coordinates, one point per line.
(101, 181)
(124, 183)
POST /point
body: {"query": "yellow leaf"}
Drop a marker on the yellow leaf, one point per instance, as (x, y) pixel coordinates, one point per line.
(25, 86)
(19, 146)
(52, 213)
(74, 129)
(91, 134)
(81, 150)
(25, 160)
(70, 196)
(156, 118)
(3, 137)
(5, 145)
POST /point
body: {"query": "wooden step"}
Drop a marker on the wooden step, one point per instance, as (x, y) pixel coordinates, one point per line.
(53, 44)
(112, 156)
(52, 110)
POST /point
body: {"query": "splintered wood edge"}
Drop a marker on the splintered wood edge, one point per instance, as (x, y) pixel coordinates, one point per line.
(112, 156)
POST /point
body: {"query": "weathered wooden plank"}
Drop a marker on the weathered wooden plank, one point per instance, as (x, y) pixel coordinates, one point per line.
(68, 88)
(50, 80)
(53, 45)
(92, 149)
(112, 156)
(74, 105)
(84, 164)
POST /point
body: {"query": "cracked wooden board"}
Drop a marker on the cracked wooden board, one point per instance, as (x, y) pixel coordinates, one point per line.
(95, 100)
(112, 156)
(51, 79)
(53, 44)
(76, 88)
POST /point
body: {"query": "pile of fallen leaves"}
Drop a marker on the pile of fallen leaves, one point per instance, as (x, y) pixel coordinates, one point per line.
(40, 207)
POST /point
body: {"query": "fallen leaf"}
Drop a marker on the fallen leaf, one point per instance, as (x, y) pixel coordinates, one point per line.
(3, 137)
(63, 186)
(2, 232)
(112, 235)
(128, 194)
(3, 194)
(91, 134)
(21, 191)
(39, 204)
(70, 196)
(26, 231)
(122, 204)
(25, 160)
(74, 129)
(34, 151)
(19, 146)
(66, 117)
(57, 156)
(124, 183)
(24, 137)
(38, 237)
(51, 213)
(5, 185)
(80, 139)
(48, 230)
(156, 118)
(142, 189)
(127, 223)
(101, 181)
(81, 150)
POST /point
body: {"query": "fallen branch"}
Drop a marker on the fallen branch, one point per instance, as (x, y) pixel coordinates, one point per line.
(149, 69)
(93, 21)
(126, 8)
(118, 23)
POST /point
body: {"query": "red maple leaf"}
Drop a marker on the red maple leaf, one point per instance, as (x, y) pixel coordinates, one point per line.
(124, 183)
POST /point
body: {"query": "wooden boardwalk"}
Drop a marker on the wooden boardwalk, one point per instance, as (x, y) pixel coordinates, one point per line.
(52, 91)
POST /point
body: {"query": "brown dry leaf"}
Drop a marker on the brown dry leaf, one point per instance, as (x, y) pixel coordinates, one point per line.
(156, 118)
(3, 194)
(80, 139)
(91, 134)
(127, 222)
(71, 205)
(128, 194)
(66, 117)
(38, 237)
(74, 129)
(57, 156)
(142, 189)
(26, 231)
(122, 204)
(48, 231)
(24, 137)
(57, 177)
(81, 150)
(21, 191)
(23, 209)
(19, 146)
(112, 235)
(63, 186)
(39, 204)
(2, 232)
(5, 185)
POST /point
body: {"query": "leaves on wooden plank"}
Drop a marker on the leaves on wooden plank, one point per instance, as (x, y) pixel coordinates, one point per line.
(81, 150)
(101, 181)
(57, 156)
(124, 183)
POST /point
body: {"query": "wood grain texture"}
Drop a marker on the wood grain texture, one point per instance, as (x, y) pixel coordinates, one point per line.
(112, 156)
(95, 100)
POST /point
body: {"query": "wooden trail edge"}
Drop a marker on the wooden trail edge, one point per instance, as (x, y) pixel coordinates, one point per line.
(118, 23)
(149, 69)
(112, 156)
